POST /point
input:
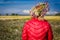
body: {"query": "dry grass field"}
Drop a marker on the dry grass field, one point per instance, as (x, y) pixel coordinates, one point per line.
(11, 26)
(24, 17)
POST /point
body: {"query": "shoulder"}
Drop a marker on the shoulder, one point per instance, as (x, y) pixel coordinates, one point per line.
(31, 22)
(27, 22)
(46, 23)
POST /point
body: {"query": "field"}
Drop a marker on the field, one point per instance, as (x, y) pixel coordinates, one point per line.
(11, 26)
(24, 17)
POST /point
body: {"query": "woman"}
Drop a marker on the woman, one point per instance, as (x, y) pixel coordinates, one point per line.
(37, 28)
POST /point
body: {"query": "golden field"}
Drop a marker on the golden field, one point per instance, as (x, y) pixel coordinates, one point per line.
(13, 17)
(24, 17)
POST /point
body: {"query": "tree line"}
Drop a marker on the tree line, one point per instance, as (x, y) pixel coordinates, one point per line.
(15, 14)
(58, 14)
(12, 14)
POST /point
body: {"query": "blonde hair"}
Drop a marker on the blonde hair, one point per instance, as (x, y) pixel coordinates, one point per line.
(38, 9)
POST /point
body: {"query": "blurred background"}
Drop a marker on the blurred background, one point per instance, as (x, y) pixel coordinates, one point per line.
(14, 13)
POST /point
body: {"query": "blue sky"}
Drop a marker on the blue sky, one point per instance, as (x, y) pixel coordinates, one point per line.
(23, 6)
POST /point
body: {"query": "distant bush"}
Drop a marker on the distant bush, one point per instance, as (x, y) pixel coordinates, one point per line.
(58, 14)
(14, 14)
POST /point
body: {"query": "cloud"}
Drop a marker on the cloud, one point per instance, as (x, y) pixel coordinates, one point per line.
(26, 11)
(52, 12)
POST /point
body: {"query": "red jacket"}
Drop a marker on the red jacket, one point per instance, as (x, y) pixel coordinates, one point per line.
(36, 29)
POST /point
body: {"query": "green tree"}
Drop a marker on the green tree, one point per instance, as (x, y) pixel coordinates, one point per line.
(14, 14)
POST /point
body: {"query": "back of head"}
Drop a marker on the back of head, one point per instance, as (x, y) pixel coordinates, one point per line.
(39, 9)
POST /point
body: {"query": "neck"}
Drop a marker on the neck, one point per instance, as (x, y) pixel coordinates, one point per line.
(41, 18)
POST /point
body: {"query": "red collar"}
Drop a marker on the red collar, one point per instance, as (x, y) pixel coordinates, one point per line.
(37, 19)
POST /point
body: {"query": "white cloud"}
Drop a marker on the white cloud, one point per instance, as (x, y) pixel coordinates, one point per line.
(52, 12)
(25, 11)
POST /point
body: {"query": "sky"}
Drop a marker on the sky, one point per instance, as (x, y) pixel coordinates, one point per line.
(24, 6)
